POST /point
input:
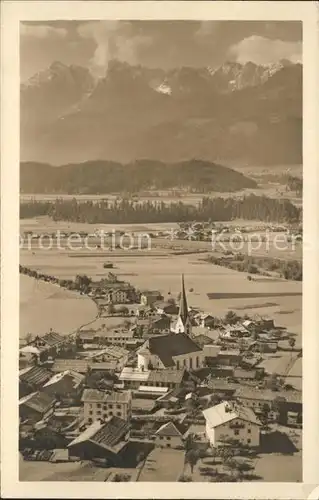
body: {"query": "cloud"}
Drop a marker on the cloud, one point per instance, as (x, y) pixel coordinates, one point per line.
(42, 31)
(113, 40)
(261, 50)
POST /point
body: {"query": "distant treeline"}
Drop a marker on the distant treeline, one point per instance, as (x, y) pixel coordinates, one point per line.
(101, 177)
(124, 211)
(288, 269)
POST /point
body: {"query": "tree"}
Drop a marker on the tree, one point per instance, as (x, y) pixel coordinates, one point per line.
(28, 338)
(82, 281)
(123, 310)
(231, 318)
(127, 324)
(191, 458)
(110, 310)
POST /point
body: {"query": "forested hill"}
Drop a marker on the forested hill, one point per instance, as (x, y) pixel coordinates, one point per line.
(124, 211)
(99, 177)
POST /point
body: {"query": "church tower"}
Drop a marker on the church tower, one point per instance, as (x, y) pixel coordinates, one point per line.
(183, 324)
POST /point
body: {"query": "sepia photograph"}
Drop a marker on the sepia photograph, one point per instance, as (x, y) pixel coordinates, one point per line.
(161, 244)
(161, 251)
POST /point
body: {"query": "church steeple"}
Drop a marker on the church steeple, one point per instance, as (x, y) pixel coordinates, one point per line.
(183, 324)
(183, 308)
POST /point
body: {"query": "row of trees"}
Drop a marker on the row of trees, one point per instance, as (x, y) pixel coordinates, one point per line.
(81, 282)
(288, 269)
(250, 207)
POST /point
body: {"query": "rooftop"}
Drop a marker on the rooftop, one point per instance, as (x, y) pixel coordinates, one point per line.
(52, 338)
(267, 394)
(112, 351)
(134, 374)
(168, 429)
(38, 401)
(77, 378)
(77, 365)
(142, 404)
(104, 365)
(166, 347)
(95, 395)
(166, 376)
(34, 375)
(229, 352)
(225, 412)
(109, 435)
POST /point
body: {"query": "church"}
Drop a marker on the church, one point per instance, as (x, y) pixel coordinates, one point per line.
(176, 350)
(183, 323)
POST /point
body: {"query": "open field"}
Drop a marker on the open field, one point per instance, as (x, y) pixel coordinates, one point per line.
(139, 236)
(44, 306)
(69, 471)
(215, 289)
(163, 465)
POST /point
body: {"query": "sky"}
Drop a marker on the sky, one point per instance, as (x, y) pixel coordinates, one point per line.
(160, 44)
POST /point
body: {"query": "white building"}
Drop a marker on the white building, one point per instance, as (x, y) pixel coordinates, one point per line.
(168, 436)
(99, 405)
(227, 422)
(183, 323)
(175, 351)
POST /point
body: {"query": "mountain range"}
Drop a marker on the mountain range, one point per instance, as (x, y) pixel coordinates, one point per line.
(247, 113)
(102, 177)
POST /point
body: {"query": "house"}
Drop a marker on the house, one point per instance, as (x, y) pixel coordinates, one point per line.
(169, 436)
(121, 337)
(229, 357)
(142, 406)
(241, 374)
(155, 324)
(76, 365)
(87, 336)
(100, 405)
(65, 386)
(36, 406)
(134, 378)
(228, 422)
(111, 353)
(43, 437)
(160, 324)
(176, 351)
(222, 388)
(109, 366)
(117, 295)
(50, 343)
(32, 378)
(202, 340)
(169, 399)
(211, 352)
(206, 321)
(29, 354)
(172, 379)
(237, 331)
(102, 440)
(150, 296)
(281, 401)
(166, 308)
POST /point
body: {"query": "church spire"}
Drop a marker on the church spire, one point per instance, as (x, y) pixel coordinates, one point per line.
(183, 308)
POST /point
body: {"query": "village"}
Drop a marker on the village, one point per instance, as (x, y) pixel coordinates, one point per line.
(161, 391)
